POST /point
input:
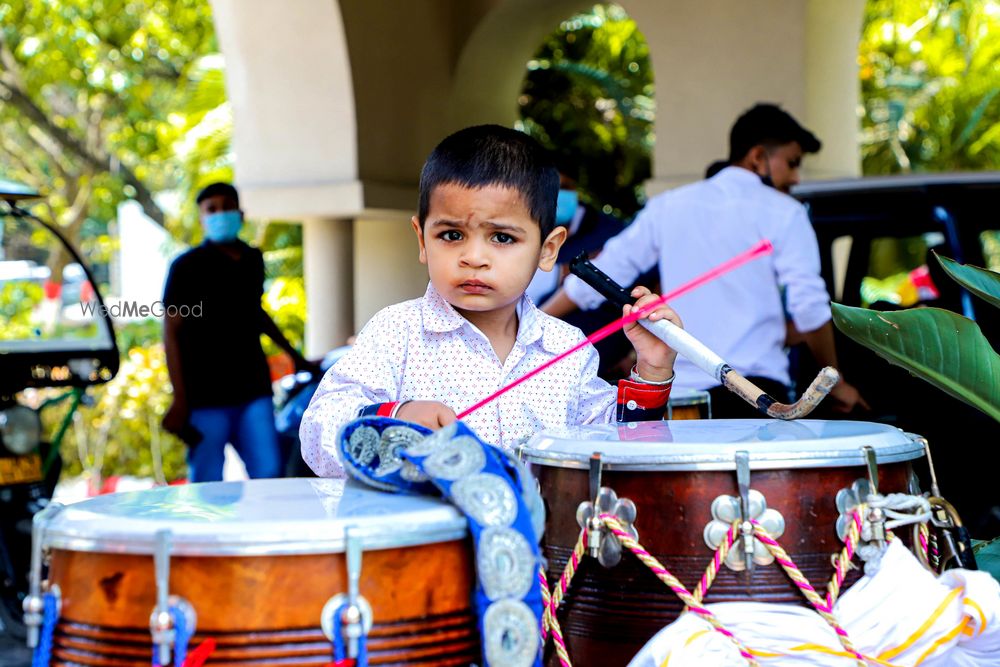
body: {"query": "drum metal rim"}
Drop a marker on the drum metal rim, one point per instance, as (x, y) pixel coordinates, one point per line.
(290, 543)
(722, 461)
(549, 449)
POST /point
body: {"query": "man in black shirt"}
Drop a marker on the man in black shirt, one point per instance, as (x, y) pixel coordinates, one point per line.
(212, 328)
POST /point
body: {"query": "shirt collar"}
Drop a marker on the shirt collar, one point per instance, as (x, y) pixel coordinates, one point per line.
(440, 316)
(741, 175)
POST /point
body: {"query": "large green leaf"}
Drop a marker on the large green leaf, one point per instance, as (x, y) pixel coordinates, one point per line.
(988, 556)
(944, 348)
(981, 282)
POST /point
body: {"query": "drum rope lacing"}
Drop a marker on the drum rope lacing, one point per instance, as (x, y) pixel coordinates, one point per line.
(893, 505)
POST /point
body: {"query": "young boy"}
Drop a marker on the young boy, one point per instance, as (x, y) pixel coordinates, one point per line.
(485, 224)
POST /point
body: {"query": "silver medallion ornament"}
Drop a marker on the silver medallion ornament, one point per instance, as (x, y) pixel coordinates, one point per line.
(487, 498)
(511, 634)
(427, 444)
(505, 564)
(364, 445)
(456, 459)
(402, 436)
(412, 473)
(389, 459)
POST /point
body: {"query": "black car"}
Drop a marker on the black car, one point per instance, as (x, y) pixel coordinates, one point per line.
(875, 236)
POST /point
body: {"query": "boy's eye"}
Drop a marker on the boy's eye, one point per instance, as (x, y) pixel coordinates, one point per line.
(500, 237)
(451, 235)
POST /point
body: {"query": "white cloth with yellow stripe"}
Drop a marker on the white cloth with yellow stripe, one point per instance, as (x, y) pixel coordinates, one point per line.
(900, 615)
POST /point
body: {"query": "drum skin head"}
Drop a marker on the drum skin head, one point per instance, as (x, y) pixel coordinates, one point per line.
(256, 517)
(712, 444)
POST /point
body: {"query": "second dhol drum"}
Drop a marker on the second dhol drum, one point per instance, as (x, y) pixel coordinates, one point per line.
(261, 567)
(689, 404)
(683, 484)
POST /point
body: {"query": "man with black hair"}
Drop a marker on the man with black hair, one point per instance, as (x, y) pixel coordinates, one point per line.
(742, 315)
(220, 377)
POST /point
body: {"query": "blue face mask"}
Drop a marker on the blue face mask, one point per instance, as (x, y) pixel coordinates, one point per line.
(223, 227)
(566, 205)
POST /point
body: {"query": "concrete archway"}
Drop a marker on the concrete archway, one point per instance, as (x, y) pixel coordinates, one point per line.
(336, 104)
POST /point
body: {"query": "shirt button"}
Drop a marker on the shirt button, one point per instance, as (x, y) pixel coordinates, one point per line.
(631, 405)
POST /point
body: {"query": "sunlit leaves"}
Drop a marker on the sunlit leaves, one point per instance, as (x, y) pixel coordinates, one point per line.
(588, 95)
(930, 82)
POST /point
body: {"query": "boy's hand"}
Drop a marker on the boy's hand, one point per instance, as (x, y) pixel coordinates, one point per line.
(431, 414)
(654, 358)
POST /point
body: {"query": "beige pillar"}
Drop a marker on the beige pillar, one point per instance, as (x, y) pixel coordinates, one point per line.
(327, 264)
(387, 267)
(833, 32)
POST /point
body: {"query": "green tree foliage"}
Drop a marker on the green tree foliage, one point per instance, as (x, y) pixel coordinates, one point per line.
(929, 84)
(588, 96)
(98, 98)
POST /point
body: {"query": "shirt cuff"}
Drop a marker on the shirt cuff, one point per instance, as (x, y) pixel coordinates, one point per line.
(639, 402)
(810, 319)
(380, 410)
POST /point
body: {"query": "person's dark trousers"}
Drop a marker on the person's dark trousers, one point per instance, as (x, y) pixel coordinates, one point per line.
(727, 405)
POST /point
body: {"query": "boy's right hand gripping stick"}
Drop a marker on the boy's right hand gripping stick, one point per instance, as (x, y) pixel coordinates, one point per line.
(696, 352)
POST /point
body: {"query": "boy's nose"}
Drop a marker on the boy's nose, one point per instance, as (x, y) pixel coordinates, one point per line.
(475, 256)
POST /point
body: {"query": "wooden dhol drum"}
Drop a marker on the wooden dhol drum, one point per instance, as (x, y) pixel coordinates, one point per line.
(689, 404)
(257, 562)
(682, 477)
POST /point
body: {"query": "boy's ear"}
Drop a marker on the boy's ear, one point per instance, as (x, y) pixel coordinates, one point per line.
(550, 248)
(418, 230)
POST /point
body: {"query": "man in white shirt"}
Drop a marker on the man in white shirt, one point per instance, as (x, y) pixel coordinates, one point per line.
(742, 315)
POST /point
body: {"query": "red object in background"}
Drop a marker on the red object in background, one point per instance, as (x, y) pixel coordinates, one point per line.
(921, 279)
(86, 292)
(52, 289)
(280, 365)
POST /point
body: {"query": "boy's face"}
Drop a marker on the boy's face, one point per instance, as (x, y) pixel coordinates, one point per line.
(482, 247)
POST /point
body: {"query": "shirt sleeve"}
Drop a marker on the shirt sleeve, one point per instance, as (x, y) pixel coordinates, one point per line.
(624, 258)
(600, 403)
(370, 373)
(175, 289)
(596, 399)
(796, 260)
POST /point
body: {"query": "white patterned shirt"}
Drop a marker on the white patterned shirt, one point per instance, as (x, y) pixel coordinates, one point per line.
(425, 350)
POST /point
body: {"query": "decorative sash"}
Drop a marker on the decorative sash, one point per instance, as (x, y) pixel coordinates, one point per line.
(499, 499)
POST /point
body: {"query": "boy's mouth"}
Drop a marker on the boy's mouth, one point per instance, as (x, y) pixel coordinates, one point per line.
(474, 287)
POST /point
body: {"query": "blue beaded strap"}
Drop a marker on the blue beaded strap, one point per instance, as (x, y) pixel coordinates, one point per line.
(500, 501)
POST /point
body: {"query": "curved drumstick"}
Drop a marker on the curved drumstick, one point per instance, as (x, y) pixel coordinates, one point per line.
(696, 352)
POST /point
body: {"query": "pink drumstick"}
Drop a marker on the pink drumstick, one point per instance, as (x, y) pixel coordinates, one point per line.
(759, 250)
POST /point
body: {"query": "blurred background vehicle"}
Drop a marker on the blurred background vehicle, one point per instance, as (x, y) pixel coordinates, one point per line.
(875, 237)
(43, 344)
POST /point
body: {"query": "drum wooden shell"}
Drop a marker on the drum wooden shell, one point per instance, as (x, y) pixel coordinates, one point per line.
(261, 609)
(266, 609)
(610, 613)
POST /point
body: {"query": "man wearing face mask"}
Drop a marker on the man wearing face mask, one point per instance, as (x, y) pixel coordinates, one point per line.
(588, 230)
(220, 376)
(742, 315)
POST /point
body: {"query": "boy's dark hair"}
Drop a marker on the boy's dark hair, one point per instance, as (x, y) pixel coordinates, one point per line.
(485, 155)
(216, 189)
(770, 125)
